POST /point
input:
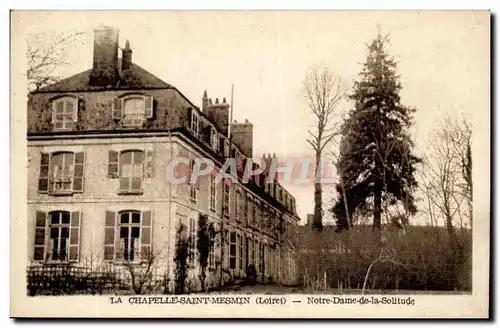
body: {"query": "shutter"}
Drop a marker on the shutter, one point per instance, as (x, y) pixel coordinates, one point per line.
(43, 179)
(149, 164)
(189, 117)
(117, 109)
(113, 164)
(109, 236)
(146, 235)
(148, 110)
(74, 236)
(40, 236)
(78, 171)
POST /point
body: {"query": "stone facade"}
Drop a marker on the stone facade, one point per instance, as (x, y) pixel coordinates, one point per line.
(98, 187)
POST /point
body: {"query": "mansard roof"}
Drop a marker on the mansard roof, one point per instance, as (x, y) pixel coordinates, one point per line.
(134, 78)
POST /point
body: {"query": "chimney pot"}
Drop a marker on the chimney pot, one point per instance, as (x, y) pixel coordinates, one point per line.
(216, 100)
(210, 101)
(224, 100)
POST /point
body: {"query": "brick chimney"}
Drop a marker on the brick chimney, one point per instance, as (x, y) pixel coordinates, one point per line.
(242, 136)
(105, 62)
(217, 113)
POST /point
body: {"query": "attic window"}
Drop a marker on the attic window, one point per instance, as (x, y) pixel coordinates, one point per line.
(133, 110)
(194, 123)
(214, 139)
(64, 113)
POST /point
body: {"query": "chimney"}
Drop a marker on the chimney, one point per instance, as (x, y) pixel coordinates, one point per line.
(242, 136)
(126, 56)
(204, 101)
(105, 61)
(217, 113)
(310, 219)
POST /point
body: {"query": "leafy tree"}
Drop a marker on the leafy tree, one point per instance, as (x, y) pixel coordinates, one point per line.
(376, 162)
(181, 257)
(204, 243)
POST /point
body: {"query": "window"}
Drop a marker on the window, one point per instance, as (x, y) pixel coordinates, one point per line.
(240, 253)
(193, 186)
(64, 113)
(232, 250)
(61, 172)
(250, 211)
(227, 194)
(226, 148)
(244, 209)
(127, 235)
(133, 110)
(214, 139)
(131, 165)
(213, 194)
(57, 236)
(257, 254)
(130, 225)
(237, 199)
(195, 127)
(192, 241)
(255, 209)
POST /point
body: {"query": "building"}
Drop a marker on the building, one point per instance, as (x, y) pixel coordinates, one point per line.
(99, 144)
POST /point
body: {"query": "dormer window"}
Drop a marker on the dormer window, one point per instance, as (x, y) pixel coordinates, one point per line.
(133, 110)
(64, 113)
(214, 139)
(195, 127)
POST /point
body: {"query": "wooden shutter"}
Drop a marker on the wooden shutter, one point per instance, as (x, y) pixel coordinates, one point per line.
(113, 159)
(109, 236)
(74, 236)
(146, 234)
(148, 110)
(117, 109)
(149, 164)
(43, 179)
(79, 167)
(189, 117)
(40, 235)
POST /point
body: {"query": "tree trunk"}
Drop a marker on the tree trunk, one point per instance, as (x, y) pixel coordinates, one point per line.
(377, 212)
(318, 193)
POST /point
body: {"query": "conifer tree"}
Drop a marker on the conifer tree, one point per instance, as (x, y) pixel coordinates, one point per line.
(376, 163)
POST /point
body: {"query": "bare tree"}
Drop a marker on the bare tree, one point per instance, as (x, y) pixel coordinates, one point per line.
(142, 272)
(44, 55)
(323, 91)
(447, 173)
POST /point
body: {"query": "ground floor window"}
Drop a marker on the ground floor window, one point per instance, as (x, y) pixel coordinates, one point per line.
(232, 250)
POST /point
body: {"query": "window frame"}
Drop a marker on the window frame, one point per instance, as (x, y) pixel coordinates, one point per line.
(141, 115)
(136, 250)
(64, 121)
(64, 179)
(59, 226)
(195, 123)
(212, 194)
(131, 176)
(226, 197)
(214, 138)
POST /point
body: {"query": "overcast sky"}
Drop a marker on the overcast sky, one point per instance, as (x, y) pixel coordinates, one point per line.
(443, 62)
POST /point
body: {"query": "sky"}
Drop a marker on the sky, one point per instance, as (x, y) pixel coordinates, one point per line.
(443, 60)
